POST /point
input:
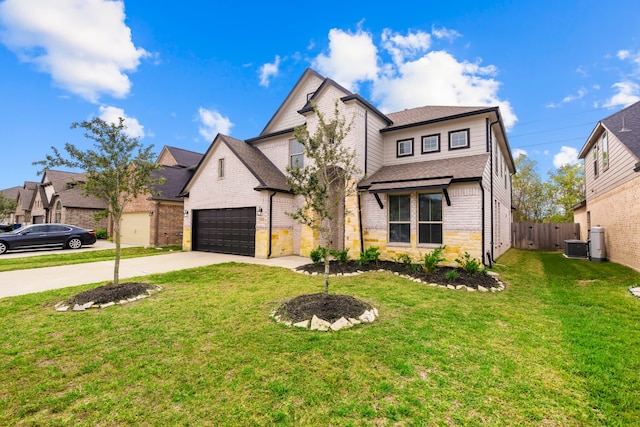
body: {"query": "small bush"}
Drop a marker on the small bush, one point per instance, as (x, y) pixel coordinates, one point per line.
(318, 255)
(370, 255)
(341, 256)
(404, 259)
(433, 258)
(471, 265)
(452, 275)
(101, 233)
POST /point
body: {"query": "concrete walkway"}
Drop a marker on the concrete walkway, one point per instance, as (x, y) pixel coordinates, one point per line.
(21, 282)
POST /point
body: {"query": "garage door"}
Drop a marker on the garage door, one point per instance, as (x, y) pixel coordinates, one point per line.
(135, 228)
(229, 231)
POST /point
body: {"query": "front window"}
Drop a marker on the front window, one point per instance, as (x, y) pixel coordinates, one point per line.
(404, 147)
(605, 152)
(459, 139)
(220, 168)
(400, 218)
(430, 218)
(430, 143)
(296, 153)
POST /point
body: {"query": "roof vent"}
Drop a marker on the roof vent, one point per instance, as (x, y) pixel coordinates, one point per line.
(624, 128)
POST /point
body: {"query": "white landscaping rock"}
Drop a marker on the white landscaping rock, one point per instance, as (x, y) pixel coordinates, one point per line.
(341, 323)
(304, 324)
(78, 307)
(354, 321)
(62, 308)
(483, 289)
(367, 317)
(317, 324)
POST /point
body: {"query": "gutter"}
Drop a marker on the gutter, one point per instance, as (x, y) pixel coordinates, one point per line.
(483, 222)
(490, 137)
(270, 223)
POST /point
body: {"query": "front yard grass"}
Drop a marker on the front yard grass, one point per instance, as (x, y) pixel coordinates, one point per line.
(558, 347)
(80, 257)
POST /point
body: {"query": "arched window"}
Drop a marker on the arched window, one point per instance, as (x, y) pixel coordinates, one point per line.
(58, 212)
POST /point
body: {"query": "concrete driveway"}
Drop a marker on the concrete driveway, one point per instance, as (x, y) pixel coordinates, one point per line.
(21, 282)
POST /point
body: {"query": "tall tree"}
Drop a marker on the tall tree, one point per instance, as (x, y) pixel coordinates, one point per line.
(7, 206)
(325, 179)
(568, 188)
(117, 170)
(531, 197)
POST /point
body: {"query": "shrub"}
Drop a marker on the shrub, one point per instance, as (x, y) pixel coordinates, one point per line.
(370, 255)
(471, 265)
(101, 233)
(318, 255)
(452, 275)
(342, 256)
(433, 258)
(404, 259)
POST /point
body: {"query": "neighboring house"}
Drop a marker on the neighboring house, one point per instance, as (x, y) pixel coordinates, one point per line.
(25, 197)
(156, 219)
(58, 199)
(10, 194)
(431, 176)
(611, 157)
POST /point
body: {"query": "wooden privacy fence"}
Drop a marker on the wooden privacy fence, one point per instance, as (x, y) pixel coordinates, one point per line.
(529, 235)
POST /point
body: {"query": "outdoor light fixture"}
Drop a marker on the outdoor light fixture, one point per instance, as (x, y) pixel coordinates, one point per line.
(186, 212)
(260, 211)
(150, 213)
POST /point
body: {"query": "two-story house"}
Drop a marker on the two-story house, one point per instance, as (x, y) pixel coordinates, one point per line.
(431, 176)
(611, 157)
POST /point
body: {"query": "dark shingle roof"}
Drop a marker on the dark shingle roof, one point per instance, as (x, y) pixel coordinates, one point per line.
(267, 174)
(175, 178)
(457, 168)
(184, 158)
(73, 198)
(628, 132)
(419, 115)
(11, 193)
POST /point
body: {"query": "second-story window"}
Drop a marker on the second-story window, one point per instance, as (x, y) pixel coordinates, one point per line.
(595, 160)
(459, 139)
(431, 143)
(296, 154)
(221, 168)
(404, 147)
(605, 152)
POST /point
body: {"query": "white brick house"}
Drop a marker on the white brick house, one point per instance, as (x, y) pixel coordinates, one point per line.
(431, 176)
(611, 157)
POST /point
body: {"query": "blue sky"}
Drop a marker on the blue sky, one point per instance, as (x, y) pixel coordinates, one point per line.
(180, 72)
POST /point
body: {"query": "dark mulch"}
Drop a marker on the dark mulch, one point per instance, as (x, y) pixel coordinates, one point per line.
(329, 307)
(110, 293)
(439, 276)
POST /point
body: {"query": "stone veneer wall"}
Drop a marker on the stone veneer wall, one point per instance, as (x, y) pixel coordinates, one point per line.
(618, 211)
(281, 242)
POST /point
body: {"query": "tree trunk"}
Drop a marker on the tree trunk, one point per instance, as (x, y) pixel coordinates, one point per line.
(116, 265)
(326, 273)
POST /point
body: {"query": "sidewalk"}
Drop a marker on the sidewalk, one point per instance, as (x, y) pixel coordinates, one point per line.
(21, 282)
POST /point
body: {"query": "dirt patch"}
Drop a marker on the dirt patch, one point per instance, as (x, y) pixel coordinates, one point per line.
(109, 293)
(329, 307)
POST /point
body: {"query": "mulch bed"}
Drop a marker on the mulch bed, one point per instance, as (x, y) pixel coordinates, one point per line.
(109, 293)
(329, 307)
(439, 276)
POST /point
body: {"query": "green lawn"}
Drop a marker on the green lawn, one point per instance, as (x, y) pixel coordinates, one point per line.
(75, 257)
(559, 348)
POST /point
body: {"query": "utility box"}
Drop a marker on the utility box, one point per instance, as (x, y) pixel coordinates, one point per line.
(597, 250)
(576, 249)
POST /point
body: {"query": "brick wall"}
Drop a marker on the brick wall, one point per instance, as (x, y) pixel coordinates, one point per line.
(618, 211)
(83, 218)
(166, 224)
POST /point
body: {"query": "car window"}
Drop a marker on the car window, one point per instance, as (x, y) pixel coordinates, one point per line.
(58, 228)
(38, 229)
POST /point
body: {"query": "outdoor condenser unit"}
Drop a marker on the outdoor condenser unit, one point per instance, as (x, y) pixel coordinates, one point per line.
(576, 249)
(597, 250)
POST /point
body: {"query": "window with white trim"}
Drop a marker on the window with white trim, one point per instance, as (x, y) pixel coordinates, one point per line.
(431, 143)
(430, 218)
(400, 218)
(404, 147)
(459, 139)
(296, 154)
(595, 160)
(605, 152)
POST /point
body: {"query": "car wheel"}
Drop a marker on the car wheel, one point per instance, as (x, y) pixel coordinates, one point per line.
(3, 247)
(74, 243)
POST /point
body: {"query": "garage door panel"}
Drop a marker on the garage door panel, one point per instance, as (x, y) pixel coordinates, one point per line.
(231, 231)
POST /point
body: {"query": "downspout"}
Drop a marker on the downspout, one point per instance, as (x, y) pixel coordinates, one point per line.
(366, 161)
(270, 223)
(156, 224)
(360, 222)
(483, 222)
(490, 136)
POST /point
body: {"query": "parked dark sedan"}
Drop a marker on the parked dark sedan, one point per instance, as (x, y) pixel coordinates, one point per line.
(4, 228)
(46, 235)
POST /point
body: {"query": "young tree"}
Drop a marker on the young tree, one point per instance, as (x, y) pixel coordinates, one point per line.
(117, 170)
(568, 187)
(7, 206)
(531, 197)
(325, 179)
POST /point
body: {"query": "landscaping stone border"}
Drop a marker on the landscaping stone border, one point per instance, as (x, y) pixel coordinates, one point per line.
(635, 291)
(62, 306)
(318, 324)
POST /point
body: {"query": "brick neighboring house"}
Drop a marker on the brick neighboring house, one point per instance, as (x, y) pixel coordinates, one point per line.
(611, 157)
(10, 194)
(24, 200)
(155, 219)
(431, 176)
(58, 199)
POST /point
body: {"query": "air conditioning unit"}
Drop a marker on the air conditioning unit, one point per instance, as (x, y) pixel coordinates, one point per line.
(576, 249)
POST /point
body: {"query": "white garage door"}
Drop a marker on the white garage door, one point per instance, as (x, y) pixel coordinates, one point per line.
(136, 229)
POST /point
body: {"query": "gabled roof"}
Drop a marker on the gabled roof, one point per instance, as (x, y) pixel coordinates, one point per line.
(430, 114)
(74, 198)
(63, 184)
(430, 173)
(267, 174)
(625, 125)
(183, 158)
(26, 194)
(175, 178)
(11, 193)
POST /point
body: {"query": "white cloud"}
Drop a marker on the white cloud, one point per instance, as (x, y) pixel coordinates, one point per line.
(269, 70)
(352, 58)
(566, 156)
(517, 152)
(623, 54)
(569, 98)
(413, 75)
(84, 45)
(445, 33)
(628, 93)
(112, 115)
(213, 123)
